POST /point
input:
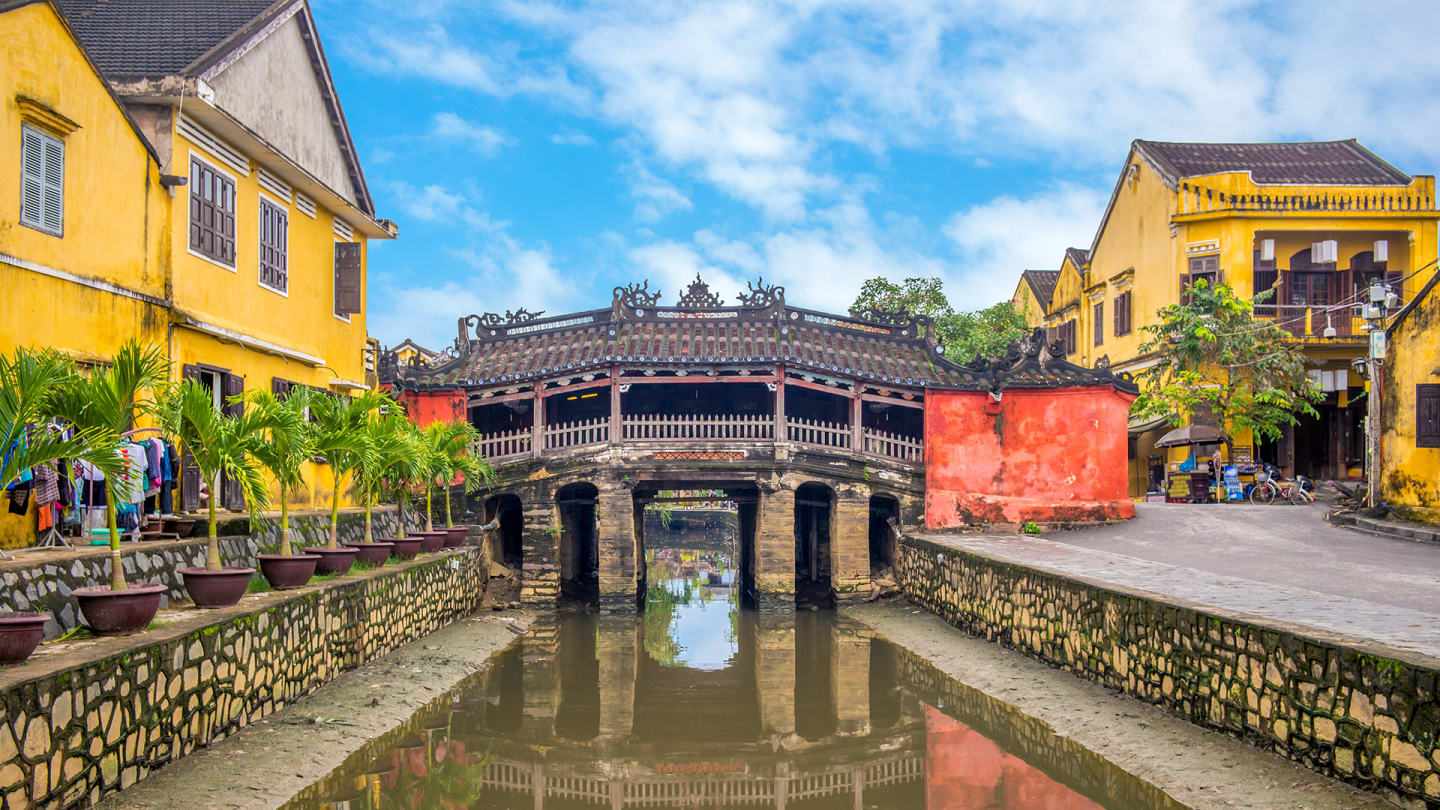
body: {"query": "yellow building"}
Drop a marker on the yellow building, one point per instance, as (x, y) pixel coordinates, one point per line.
(1410, 408)
(408, 352)
(1316, 221)
(194, 186)
(1032, 295)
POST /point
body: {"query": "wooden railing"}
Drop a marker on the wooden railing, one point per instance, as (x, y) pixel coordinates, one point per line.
(893, 445)
(682, 427)
(564, 435)
(662, 428)
(818, 433)
(504, 445)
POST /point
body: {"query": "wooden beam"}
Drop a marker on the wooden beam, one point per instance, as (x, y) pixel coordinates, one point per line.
(697, 378)
(832, 390)
(476, 399)
(780, 404)
(897, 402)
(565, 389)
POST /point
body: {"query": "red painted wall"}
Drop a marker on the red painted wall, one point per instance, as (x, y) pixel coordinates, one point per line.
(1056, 455)
(425, 407)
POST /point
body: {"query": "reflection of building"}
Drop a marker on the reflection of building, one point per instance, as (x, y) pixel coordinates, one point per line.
(1316, 222)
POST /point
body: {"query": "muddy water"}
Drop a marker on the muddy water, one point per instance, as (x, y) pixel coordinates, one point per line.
(699, 702)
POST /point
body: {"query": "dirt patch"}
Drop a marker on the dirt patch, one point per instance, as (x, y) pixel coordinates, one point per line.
(269, 762)
(1198, 768)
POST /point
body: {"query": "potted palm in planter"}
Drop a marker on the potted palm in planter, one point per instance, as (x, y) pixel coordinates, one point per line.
(218, 444)
(392, 456)
(30, 383)
(434, 442)
(402, 477)
(107, 400)
(339, 434)
(453, 457)
(286, 443)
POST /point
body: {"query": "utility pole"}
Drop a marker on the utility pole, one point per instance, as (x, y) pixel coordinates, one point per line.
(1380, 300)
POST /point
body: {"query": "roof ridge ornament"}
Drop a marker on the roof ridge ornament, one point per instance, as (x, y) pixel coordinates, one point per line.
(760, 295)
(889, 317)
(637, 296)
(699, 296)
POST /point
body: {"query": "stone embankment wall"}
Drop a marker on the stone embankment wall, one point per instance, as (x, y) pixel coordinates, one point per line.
(43, 581)
(1366, 715)
(81, 723)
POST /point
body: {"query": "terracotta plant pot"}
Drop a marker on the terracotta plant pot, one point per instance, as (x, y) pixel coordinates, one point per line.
(333, 560)
(405, 548)
(180, 526)
(373, 553)
(430, 542)
(126, 611)
(455, 536)
(20, 634)
(216, 589)
(287, 572)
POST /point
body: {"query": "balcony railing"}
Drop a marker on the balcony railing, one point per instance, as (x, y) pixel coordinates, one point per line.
(1310, 321)
(652, 429)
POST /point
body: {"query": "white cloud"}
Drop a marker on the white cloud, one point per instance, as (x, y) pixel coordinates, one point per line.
(483, 139)
(997, 239)
(655, 197)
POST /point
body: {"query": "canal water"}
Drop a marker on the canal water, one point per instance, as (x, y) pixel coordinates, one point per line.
(701, 703)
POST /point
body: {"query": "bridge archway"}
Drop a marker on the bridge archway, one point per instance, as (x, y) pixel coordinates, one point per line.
(579, 547)
(814, 529)
(509, 544)
(883, 508)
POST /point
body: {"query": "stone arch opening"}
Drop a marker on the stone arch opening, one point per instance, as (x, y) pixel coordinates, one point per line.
(509, 542)
(883, 509)
(579, 549)
(814, 520)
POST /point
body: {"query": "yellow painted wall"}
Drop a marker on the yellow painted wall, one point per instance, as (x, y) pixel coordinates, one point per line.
(1023, 300)
(1410, 478)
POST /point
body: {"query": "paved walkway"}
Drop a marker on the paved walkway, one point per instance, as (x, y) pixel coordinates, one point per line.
(1283, 564)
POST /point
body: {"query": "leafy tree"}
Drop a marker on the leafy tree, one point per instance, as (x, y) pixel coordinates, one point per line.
(107, 400)
(287, 442)
(1214, 354)
(219, 444)
(987, 332)
(339, 434)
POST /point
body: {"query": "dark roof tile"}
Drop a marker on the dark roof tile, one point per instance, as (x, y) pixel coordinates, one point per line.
(1042, 283)
(151, 39)
(1309, 162)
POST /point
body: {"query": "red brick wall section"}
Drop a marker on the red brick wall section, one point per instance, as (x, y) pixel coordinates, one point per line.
(425, 407)
(1049, 456)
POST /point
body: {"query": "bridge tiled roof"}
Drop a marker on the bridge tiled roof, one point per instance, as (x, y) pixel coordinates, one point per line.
(872, 347)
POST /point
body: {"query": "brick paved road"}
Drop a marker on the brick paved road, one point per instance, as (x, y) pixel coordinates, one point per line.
(1279, 562)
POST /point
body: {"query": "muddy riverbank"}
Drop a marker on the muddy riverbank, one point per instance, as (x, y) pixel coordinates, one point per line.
(267, 763)
(1197, 768)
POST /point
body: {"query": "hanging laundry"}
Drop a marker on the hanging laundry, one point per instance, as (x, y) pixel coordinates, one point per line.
(47, 484)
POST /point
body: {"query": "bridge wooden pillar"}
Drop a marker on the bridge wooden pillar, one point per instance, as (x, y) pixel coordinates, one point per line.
(616, 545)
(850, 543)
(537, 422)
(775, 550)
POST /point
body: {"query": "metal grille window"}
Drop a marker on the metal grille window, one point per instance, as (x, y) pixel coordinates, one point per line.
(42, 181)
(274, 225)
(212, 213)
(1427, 415)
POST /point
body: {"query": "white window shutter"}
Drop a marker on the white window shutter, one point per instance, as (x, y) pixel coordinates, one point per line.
(1382, 250)
(1267, 250)
(32, 178)
(54, 214)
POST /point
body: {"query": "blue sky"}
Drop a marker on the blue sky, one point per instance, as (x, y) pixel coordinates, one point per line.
(539, 154)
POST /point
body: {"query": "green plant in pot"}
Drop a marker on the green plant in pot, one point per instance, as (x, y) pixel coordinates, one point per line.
(286, 443)
(391, 455)
(449, 449)
(219, 445)
(108, 400)
(403, 467)
(30, 384)
(339, 431)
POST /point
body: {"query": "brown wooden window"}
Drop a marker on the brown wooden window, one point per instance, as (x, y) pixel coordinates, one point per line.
(1066, 336)
(1099, 323)
(347, 278)
(1264, 276)
(1427, 415)
(274, 239)
(212, 213)
(1122, 314)
(1201, 267)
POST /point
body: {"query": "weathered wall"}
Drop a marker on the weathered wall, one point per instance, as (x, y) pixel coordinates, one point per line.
(1410, 475)
(79, 725)
(1051, 456)
(425, 407)
(45, 584)
(1356, 714)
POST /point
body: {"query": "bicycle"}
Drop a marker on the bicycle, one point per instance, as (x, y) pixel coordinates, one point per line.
(1267, 488)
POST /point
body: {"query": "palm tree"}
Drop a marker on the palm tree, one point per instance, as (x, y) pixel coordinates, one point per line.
(442, 444)
(394, 458)
(218, 445)
(286, 443)
(107, 400)
(339, 433)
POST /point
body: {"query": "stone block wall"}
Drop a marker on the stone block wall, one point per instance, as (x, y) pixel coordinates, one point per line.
(78, 725)
(1361, 713)
(44, 583)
